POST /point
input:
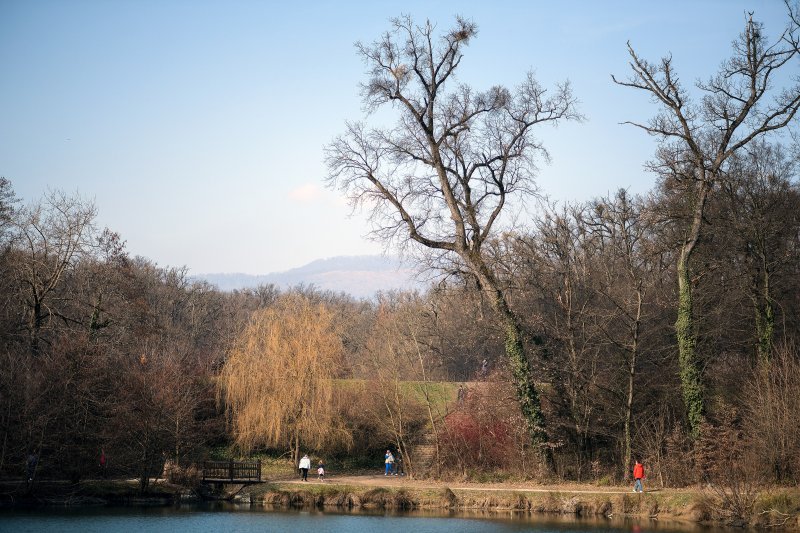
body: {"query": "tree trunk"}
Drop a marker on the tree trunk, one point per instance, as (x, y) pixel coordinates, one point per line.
(765, 321)
(626, 472)
(36, 325)
(688, 364)
(527, 395)
(627, 430)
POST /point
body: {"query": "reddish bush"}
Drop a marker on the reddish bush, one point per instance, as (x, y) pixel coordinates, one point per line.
(486, 432)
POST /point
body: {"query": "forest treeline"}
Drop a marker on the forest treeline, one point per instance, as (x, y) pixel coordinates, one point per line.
(661, 326)
(104, 351)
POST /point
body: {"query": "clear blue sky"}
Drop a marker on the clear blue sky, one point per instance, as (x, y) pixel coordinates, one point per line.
(197, 127)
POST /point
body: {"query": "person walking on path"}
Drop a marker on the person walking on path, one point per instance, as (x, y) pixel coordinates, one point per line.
(304, 466)
(638, 476)
(321, 471)
(388, 459)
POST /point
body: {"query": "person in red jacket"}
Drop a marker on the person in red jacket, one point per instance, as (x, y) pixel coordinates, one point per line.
(638, 476)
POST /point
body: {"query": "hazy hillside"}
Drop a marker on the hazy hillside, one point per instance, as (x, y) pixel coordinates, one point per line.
(360, 276)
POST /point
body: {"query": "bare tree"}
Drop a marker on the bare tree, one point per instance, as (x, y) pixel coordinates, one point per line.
(792, 36)
(8, 311)
(444, 175)
(7, 201)
(399, 362)
(51, 236)
(625, 261)
(760, 219)
(697, 139)
(562, 258)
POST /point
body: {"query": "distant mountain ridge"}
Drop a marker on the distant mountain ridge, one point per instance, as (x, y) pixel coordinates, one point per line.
(360, 276)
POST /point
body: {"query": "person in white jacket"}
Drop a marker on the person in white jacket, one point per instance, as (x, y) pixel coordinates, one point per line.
(305, 464)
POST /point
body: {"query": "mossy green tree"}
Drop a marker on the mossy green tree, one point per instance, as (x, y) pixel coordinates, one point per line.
(445, 175)
(697, 140)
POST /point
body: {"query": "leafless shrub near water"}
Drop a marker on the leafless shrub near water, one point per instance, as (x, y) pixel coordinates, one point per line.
(729, 476)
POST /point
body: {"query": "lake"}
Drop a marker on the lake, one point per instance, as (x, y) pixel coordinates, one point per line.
(243, 519)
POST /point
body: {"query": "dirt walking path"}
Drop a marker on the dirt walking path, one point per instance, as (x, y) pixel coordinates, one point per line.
(405, 482)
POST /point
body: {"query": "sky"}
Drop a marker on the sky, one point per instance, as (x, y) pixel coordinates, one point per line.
(197, 127)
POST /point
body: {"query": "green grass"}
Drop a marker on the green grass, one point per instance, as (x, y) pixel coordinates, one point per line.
(275, 467)
(440, 393)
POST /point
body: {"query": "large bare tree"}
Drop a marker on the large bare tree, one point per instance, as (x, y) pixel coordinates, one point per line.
(738, 105)
(50, 236)
(443, 176)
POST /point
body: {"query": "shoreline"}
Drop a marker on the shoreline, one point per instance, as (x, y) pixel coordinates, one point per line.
(777, 507)
(689, 507)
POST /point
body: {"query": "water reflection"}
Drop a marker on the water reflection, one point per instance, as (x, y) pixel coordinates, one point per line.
(224, 517)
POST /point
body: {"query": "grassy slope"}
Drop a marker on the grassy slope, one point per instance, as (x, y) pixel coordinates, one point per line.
(441, 393)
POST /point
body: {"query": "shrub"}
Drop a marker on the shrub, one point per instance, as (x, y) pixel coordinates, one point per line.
(487, 434)
(188, 477)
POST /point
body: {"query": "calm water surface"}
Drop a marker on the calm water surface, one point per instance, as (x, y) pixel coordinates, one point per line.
(244, 519)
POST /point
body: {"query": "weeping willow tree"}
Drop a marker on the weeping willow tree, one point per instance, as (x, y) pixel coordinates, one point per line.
(277, 383)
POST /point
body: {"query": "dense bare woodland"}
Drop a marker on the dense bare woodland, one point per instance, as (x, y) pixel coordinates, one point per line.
(663, 327)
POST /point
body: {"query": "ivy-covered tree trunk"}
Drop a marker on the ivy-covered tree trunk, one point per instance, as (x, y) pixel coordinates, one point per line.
(519, 366)
(688, 363)
(689, 367)
(527, 394)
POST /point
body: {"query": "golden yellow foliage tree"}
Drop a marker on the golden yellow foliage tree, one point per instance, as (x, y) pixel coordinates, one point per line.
(277, 382)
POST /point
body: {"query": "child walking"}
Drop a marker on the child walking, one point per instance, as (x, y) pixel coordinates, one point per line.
(321, 471)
